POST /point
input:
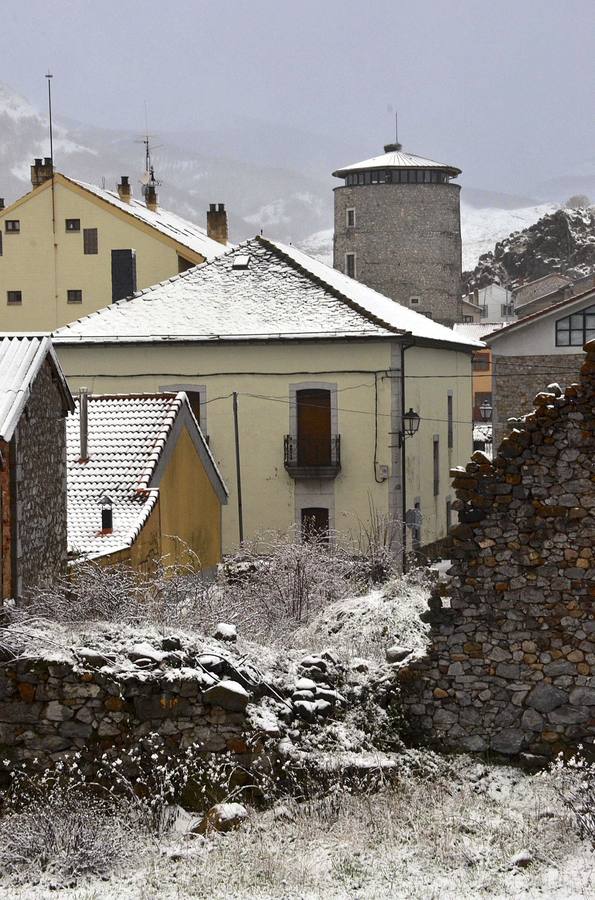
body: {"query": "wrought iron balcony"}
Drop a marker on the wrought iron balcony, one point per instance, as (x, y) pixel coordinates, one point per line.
(312, 457)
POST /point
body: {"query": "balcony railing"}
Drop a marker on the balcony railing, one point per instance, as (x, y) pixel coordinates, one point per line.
(312, 457)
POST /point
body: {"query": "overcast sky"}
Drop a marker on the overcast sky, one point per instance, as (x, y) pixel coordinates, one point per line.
(502, 88)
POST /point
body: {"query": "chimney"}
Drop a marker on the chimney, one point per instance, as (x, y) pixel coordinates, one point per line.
(1, 202)
(84, 424)
(217, 223)
(124, 189)
(41, 170)
(107, 515)
(151, 197)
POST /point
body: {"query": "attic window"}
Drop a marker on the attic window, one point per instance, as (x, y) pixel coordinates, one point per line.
(73, 224)
(240, 262)
(12, 226)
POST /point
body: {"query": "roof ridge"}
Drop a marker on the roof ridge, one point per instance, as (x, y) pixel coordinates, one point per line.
(353, 304)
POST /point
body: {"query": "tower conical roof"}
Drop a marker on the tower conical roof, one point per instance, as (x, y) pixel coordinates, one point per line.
(394, 157)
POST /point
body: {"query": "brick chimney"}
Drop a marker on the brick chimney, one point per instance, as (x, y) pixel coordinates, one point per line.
(151, 197)
(124, 189)
(217, 223)
(1, 202)
(41, 170)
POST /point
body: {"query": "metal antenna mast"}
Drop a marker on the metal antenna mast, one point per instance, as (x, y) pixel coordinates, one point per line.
(396, 127)
(49, 77)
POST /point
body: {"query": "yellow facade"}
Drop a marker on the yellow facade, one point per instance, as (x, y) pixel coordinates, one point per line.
(184, 526)
(265, 376)
(44, 261)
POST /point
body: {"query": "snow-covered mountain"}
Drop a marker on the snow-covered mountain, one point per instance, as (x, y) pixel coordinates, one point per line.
(292, 204)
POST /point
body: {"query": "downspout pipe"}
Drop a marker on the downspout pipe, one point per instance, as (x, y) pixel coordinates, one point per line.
(404, 347)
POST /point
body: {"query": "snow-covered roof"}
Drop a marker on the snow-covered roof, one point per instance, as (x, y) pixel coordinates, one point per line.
(127, 438)
(21, 358)
(279, 292)
(186, 233)
(476, 330)
(396, 159)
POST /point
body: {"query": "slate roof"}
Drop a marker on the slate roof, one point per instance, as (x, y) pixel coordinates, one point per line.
(21, 358)
(127, 436)
(396, 159)
(186, 233)
(278, 292)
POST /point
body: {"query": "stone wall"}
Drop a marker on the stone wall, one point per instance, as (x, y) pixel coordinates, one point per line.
(511, 660)
(407, 240)
(41, 484)
(517, 379)
(51, 708)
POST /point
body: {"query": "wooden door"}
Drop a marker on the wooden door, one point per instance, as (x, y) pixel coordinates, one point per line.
(314, 427)
(315, 524)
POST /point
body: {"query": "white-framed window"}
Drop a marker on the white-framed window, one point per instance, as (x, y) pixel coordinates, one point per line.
(350, 217)
(350, 265)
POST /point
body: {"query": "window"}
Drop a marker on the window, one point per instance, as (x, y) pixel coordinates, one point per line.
(449, 402)
(351, 218)
(374, 177)
(507, 309)
(467, 318)
(448, 512)
(0, 243)
(417, 520)
(314, 427)
(12, 226)
(436, 460)
(14, 298)
(73, 224)
(577, 329)
(350, 264)
(74, 296)
(480, 362)
(90, 243)
(315, 524)
(414, 301)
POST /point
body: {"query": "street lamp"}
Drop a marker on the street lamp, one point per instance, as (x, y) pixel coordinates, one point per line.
(485, 411)
(411, 422)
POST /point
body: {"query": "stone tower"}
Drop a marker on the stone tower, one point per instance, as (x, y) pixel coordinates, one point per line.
(398, 230)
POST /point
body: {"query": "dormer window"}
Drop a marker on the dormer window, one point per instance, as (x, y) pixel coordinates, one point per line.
(577, 329)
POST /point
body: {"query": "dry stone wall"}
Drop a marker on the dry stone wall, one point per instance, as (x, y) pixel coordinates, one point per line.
(511, 660)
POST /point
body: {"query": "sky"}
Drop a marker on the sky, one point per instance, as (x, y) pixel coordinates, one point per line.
(502, 89)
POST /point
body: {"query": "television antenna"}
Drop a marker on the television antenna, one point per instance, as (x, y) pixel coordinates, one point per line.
(148, 179)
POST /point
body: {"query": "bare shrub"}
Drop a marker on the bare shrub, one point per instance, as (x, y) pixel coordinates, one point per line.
(576, 787)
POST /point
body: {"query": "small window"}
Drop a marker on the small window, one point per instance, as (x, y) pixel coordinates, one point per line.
(351, 218)
(448, 512)
(436, 461)
(14, 298)
(74, 296)
(414, 301)
(0, 243)
(90, 241)
(467, 318)
(12, 226)
(374, 177)
(73, 224)
(350, 264)
(480, 362)
(450, 417)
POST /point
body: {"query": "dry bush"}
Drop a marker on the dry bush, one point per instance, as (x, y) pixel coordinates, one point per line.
(575, 778)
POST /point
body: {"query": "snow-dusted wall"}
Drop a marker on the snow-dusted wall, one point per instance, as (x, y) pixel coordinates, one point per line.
(511, 660)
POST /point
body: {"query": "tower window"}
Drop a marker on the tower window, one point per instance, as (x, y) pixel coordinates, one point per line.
(350, 264)
(436, 462)
(14, 298)
(414, 301)
(12, 226)
(350, 218)
(73, 224)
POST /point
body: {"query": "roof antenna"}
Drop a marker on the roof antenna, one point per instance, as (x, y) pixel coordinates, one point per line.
(396, 127)
(148, 181)
(49, 77)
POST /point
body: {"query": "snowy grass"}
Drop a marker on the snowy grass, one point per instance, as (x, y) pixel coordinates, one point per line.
(485, 831)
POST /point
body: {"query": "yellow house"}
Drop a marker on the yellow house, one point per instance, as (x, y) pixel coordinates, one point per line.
(69, 248)
(301, 377)
(142, 483)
